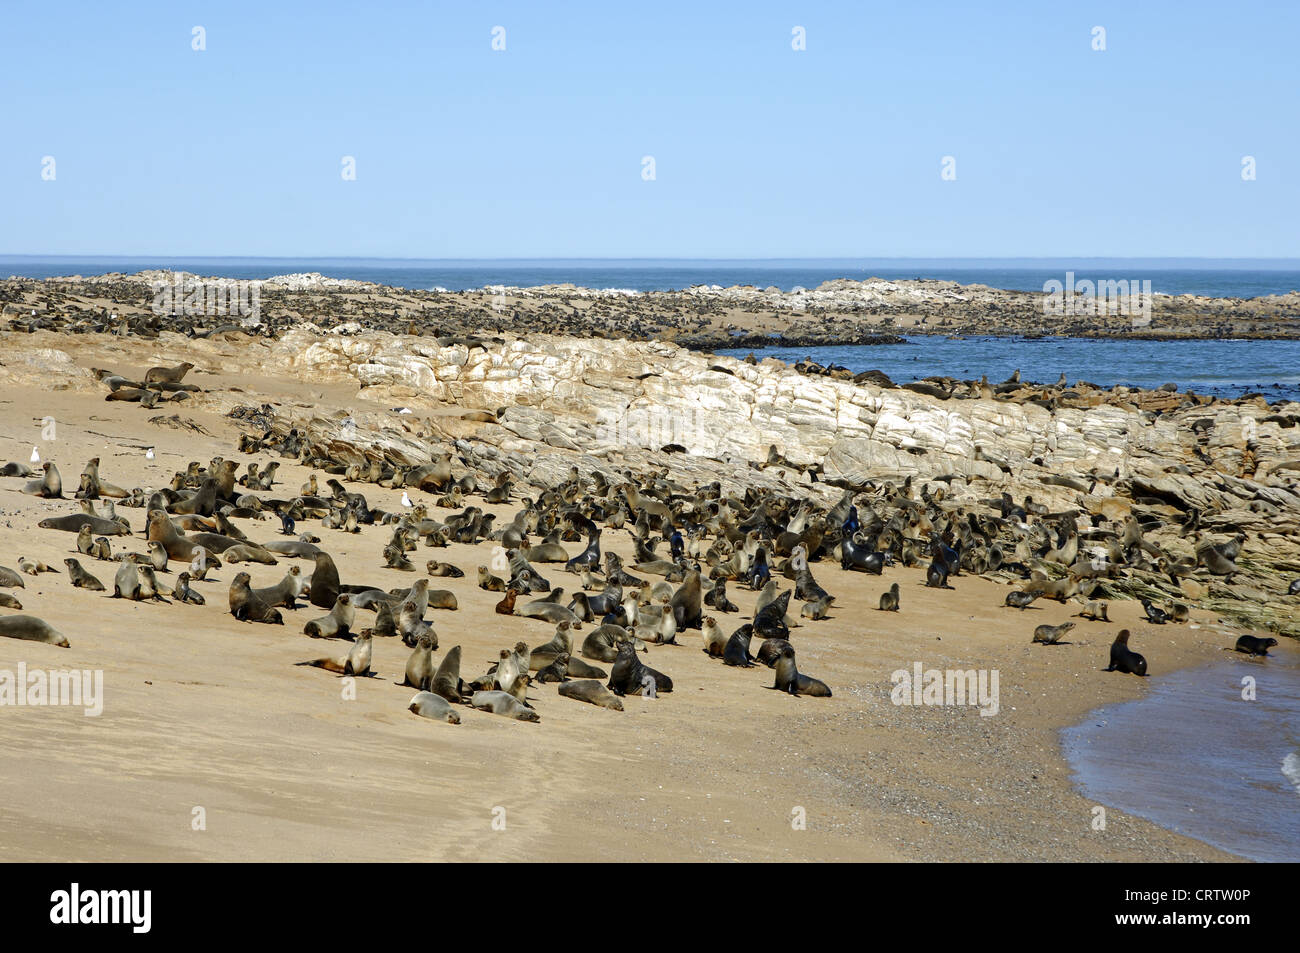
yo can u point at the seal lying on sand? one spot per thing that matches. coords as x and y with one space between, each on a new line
591 692
503 703
429 705
31 629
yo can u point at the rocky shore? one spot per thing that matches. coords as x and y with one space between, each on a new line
1191 469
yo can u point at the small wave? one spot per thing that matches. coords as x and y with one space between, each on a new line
1291 768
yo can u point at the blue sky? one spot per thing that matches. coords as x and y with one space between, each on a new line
760 150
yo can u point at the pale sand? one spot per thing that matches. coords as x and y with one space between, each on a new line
202 710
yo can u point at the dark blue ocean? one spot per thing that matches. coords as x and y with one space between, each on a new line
1227 278
1222 368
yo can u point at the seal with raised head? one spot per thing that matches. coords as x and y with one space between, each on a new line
446 680
715 641
1052 634
324 582
1124 659
246 606
337 624
356 662
419 667
183 592
736 651
629 673
80 578
889 600
790 680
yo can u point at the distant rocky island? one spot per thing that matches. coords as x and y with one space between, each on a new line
705 318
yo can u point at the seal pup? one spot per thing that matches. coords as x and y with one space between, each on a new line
557 671
435 568
1252 645
1155 615
33 567
31 629
1095 611
9 602
356 662
715 641
1016 599
80 578
503 703
1051 634
1123 659
429 705
790 680
182 592
126 584
591 692
337 624
889 600
489 582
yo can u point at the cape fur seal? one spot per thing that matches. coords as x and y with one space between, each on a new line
429 705
591 692
167 375
75 521
1123 659
80 578
789 679
1252 645
419 667
356 662
31 629
324 582
1052 634
337 624
629 673
736 651
246 606
889 600
503 703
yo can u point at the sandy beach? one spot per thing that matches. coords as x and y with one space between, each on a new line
205 712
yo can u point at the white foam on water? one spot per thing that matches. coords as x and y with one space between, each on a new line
1291 768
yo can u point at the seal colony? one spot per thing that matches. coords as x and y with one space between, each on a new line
616 563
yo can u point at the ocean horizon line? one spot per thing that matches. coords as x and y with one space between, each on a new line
1062 260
